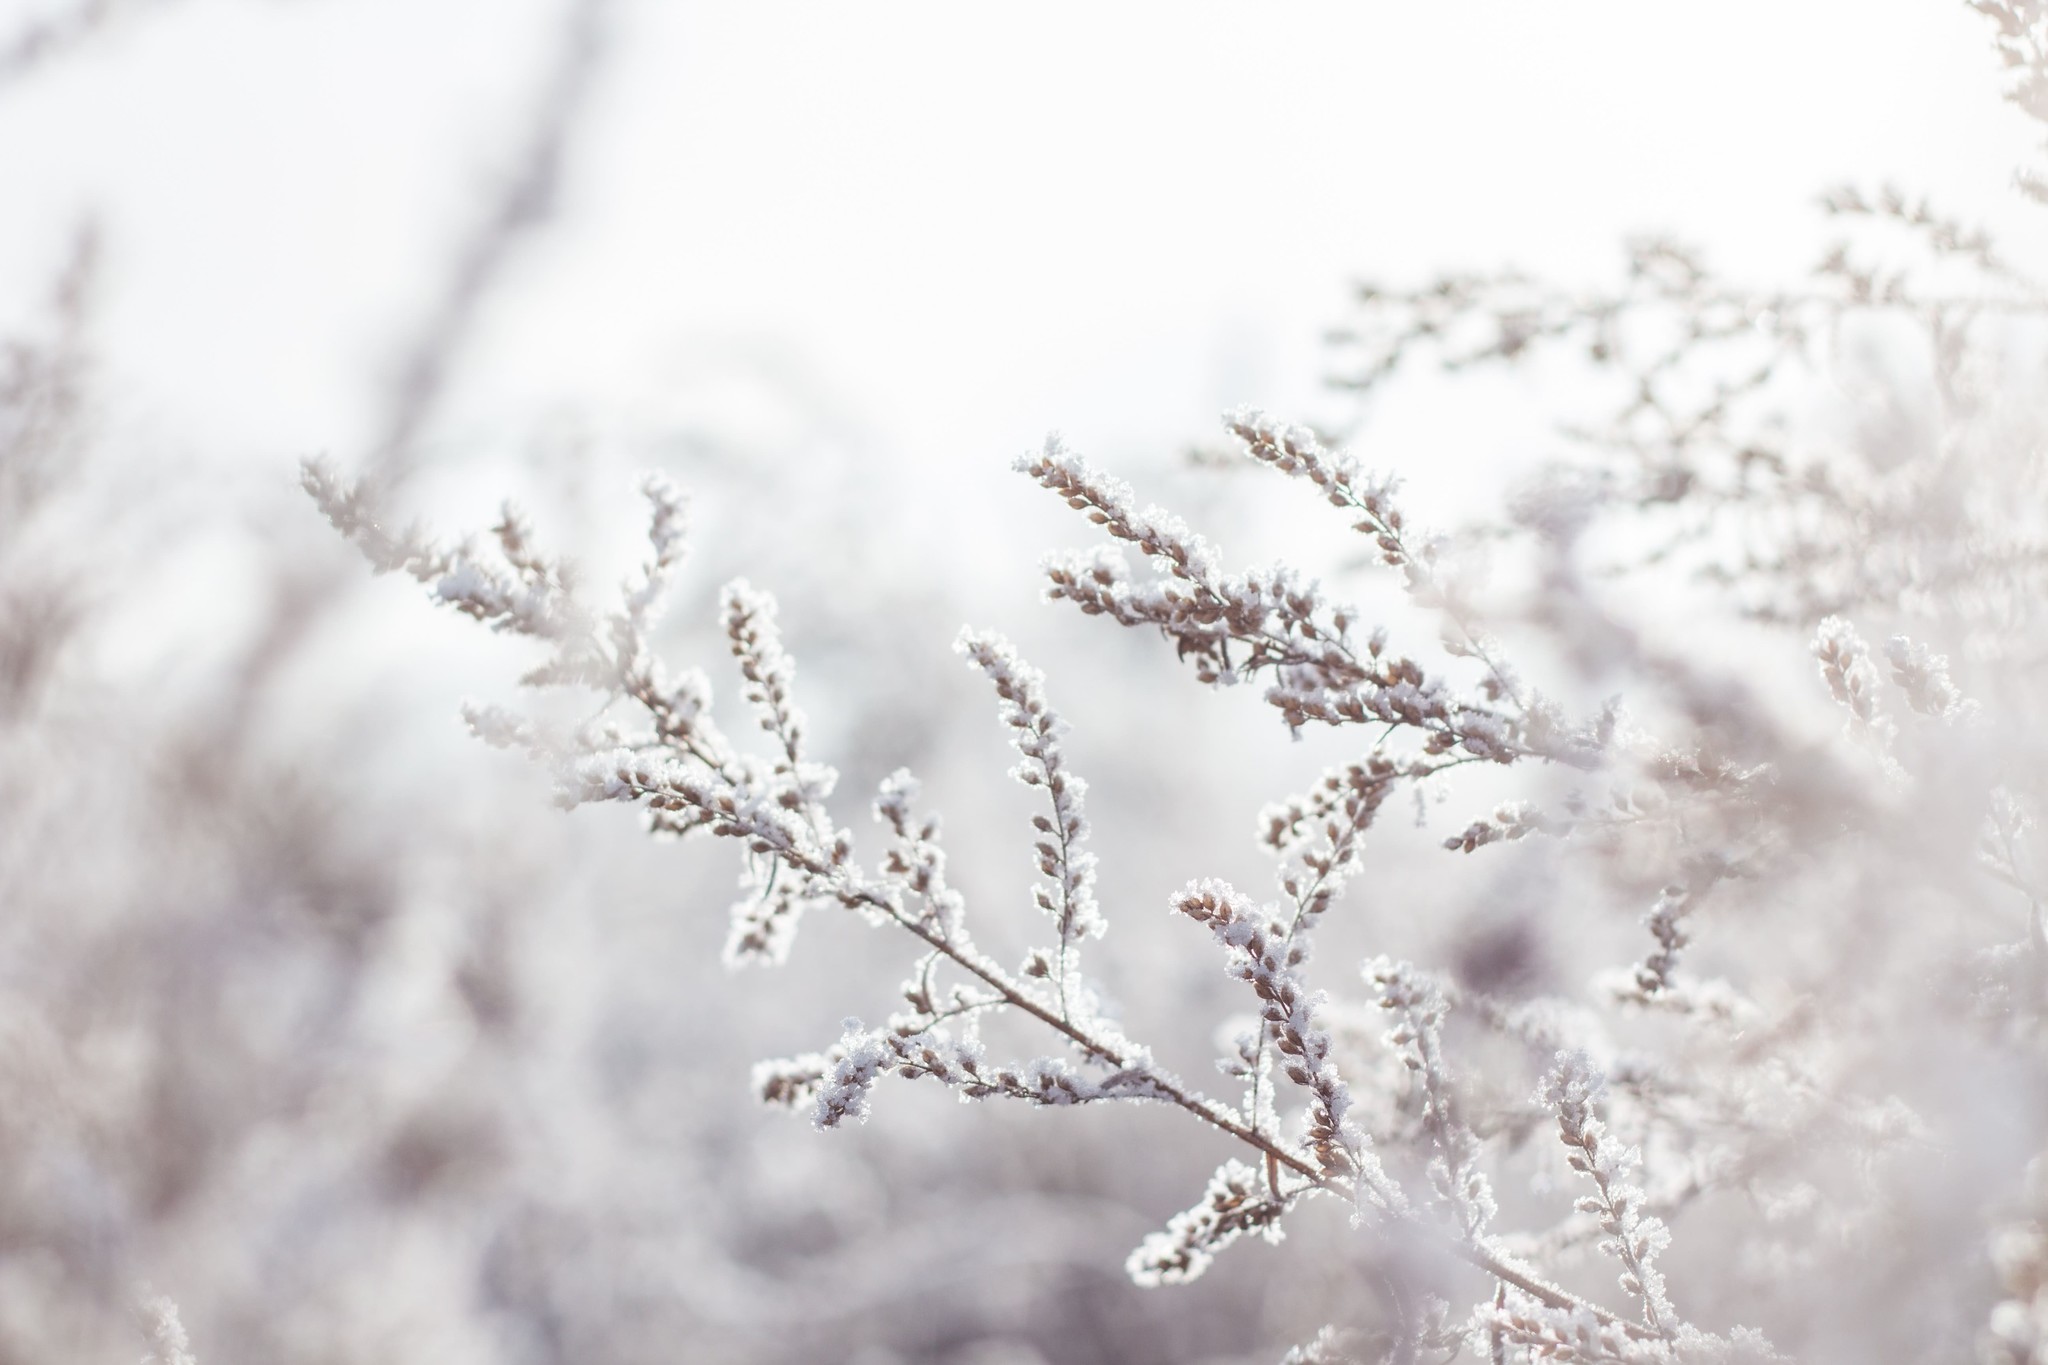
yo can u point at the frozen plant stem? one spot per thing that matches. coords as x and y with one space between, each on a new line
1634 1237
689 777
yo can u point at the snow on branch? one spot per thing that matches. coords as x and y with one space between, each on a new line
1069 898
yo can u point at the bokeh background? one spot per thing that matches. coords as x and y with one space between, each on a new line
313 1014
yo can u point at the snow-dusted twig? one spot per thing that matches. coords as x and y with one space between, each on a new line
1634 1237
690 778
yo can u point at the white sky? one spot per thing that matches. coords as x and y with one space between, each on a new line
958 225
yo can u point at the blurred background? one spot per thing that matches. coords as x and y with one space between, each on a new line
314 1015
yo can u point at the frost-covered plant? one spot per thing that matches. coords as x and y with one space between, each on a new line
690 777
1319 669
1823 1059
